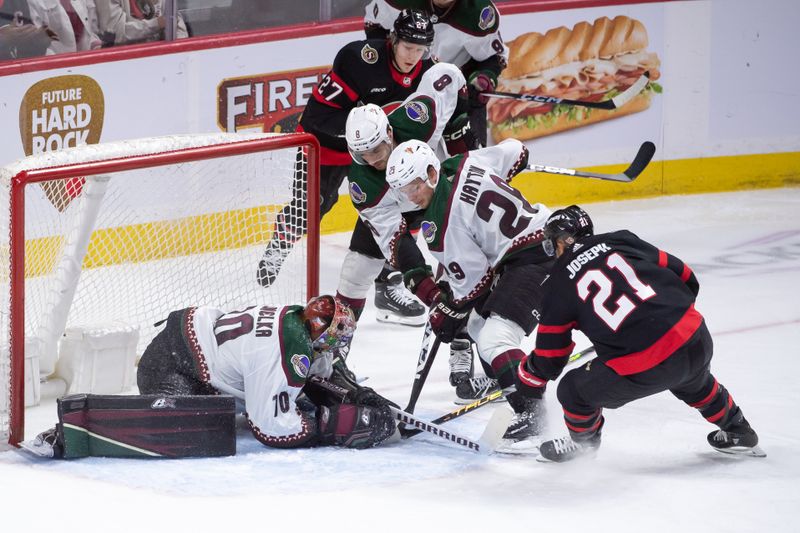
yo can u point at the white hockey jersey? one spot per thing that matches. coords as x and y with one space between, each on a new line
468 30
476 219
263 356
422 116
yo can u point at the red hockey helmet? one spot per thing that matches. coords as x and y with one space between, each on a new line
331 323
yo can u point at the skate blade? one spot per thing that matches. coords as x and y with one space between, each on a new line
589 454
529 446
755 451
413 321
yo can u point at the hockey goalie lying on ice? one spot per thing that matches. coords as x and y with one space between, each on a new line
207 361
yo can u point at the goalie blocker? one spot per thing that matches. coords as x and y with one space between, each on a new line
140 426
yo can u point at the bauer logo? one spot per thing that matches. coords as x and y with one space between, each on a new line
356 194
61 112
270 102
417 111
163 403
428 231
301 364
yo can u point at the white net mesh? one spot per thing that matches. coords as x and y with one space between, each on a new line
160 239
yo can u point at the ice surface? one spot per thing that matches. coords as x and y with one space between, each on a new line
655 472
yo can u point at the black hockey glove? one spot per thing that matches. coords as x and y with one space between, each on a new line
367 396
459 137
447 320
354 426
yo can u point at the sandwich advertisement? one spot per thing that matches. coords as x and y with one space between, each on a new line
588 55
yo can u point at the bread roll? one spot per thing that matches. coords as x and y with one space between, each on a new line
563 122
532 53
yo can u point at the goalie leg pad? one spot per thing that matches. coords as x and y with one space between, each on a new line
146 426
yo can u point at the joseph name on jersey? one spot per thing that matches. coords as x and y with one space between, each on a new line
469 29
422 116
261 355
476 219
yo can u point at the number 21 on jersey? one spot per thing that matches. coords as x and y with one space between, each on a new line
604 285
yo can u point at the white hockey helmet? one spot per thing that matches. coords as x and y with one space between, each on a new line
410 160
366 128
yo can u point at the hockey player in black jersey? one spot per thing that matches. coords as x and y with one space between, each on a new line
374 71
635 303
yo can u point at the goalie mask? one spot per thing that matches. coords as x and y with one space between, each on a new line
568 224
366 129
331 323
409 161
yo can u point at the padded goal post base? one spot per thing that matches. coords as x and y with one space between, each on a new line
146 426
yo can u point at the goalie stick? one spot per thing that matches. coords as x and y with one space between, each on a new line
480 402
640 162
614 103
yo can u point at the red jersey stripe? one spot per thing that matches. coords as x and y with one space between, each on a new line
560 328
555 353
662 258
673 339
686 274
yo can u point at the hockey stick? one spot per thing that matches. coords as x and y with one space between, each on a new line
639 163
424 362
614 103
487 442
480 402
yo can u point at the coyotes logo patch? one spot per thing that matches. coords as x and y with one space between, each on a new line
428 230
357 194
301 364
487 18
417 111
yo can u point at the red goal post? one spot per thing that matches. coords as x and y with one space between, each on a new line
126 232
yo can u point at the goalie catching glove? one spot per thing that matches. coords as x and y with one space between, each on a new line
354 426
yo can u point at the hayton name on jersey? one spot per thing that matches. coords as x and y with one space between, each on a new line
471 187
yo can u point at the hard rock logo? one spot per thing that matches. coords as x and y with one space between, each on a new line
61 112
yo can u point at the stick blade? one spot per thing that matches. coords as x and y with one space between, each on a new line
495 429
631 92
642 159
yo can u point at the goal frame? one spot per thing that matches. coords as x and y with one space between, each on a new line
24 178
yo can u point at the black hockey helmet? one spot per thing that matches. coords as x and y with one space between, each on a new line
414 26
568 224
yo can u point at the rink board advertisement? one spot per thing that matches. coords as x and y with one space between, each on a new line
709 111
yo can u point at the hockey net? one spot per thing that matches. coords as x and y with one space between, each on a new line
126 232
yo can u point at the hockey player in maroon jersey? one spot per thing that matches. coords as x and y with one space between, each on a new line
374 71
635 303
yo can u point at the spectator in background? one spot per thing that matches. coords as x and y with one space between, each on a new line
20 38
134 21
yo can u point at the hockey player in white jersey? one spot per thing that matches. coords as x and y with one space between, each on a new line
385 216
487 237
264 356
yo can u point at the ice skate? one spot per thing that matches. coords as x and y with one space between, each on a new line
395 305
565 449
741 440
523 434
270 264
